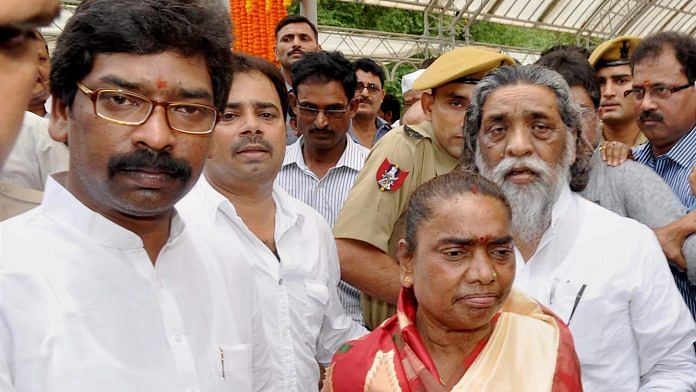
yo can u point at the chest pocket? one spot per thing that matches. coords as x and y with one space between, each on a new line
588 321
232 366
315 301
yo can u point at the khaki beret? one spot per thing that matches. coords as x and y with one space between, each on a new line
470 62
616 51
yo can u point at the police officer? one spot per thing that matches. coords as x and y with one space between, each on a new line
369 225
610 61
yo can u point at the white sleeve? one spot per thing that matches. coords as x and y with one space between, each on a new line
5 352
663 327
336 327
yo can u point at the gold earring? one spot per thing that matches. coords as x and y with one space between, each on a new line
408 281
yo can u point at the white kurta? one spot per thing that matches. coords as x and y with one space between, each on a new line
83 309
34 155
631 328
303 316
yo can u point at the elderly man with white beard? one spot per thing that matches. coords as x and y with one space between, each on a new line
604 275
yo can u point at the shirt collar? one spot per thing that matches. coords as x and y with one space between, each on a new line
215 201
61 205
381 126
683 152
351 157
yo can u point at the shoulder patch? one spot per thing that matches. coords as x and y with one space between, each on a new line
412 133
390 177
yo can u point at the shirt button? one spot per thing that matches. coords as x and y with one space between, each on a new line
177 338
280 282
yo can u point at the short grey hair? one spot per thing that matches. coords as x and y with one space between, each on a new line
532 75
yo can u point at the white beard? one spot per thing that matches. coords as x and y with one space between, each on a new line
531 203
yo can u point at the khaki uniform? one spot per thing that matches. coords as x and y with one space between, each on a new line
15 200
375 216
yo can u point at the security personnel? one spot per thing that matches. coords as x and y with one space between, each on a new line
369 226
610 61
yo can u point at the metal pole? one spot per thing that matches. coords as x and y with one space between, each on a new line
308 8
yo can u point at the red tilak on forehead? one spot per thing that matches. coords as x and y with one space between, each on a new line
483 239
161 83
474 189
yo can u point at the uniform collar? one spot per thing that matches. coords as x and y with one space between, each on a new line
63 207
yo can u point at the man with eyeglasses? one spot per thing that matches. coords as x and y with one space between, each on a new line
664 73
104 287
610 61
320 168
369 225
367 127
19 20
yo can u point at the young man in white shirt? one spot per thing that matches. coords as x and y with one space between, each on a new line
289 245
103 287
604 275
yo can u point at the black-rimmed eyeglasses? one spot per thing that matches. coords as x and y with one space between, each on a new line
128 108
658 91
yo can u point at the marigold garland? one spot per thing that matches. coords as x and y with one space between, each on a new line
254 24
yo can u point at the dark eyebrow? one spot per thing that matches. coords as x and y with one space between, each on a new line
617 76
457 96
537 115
138 87
497 117
473 241
257 105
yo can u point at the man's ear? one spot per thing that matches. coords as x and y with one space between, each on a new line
353 107
427 100
59 122
292 99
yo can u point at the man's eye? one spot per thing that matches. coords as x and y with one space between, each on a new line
457 104
118 100
228 116
268 115
188 110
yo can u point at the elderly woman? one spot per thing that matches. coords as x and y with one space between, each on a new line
459 326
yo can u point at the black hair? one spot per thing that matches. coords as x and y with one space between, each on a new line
292 19
368 65
575 69
324 67
567 48
142 27
426 63
684 47
392 105
246 64
441 188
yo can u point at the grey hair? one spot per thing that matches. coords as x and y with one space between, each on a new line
532 75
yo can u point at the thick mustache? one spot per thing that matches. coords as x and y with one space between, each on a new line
150 159
252 139
650 116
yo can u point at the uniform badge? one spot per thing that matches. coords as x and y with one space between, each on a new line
390 177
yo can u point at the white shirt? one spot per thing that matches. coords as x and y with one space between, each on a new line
83 308
34 155
326 195
303 317
631 328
